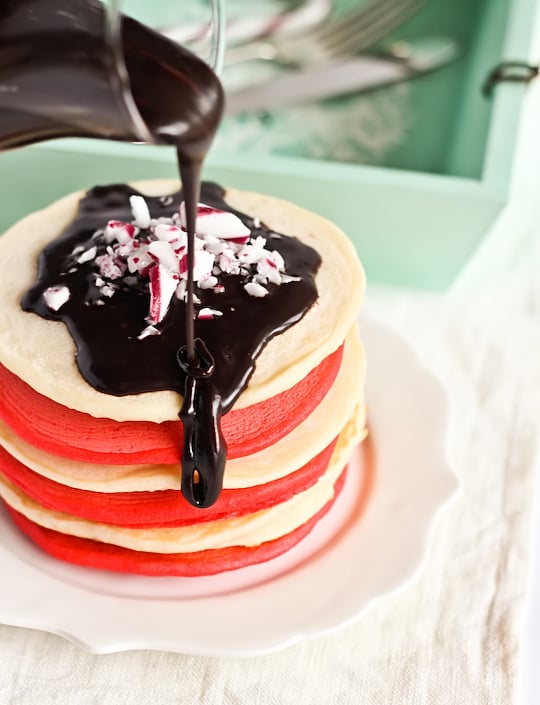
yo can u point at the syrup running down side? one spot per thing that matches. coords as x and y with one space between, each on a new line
120 354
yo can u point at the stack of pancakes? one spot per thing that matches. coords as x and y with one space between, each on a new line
94 479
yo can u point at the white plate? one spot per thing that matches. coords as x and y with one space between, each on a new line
369 544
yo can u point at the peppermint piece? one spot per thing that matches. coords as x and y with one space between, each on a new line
164 254
162 287
207 313
87 255
117 230
211 221
141 214
254 289
170 233
109 267
148 331
56 296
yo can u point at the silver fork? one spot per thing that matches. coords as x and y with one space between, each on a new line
348 35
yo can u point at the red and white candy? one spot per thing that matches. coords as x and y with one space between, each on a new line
162 288
215 223
156 249
56 296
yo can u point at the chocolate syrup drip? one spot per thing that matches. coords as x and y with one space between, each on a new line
113 360
205 451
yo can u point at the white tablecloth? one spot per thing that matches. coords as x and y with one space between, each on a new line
453 635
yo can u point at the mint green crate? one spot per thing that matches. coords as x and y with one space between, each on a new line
416 219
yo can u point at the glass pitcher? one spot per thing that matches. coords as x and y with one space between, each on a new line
79 68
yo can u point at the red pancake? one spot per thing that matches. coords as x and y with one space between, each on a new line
163 507
58 430
94 554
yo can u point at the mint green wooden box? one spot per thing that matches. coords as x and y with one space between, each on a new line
415 221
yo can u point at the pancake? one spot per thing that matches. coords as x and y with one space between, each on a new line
94 478
51 370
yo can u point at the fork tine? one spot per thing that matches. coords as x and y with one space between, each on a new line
358 18
356 39
358 30
362 16
355 31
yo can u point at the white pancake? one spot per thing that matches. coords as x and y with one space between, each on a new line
42 352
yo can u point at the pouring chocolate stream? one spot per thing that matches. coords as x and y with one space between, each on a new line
58 71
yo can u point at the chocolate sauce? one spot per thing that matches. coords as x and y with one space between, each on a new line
112 358
204 453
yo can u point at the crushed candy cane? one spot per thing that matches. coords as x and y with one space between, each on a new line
141 214
56 296
156 251
206 313
254 289
148 331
